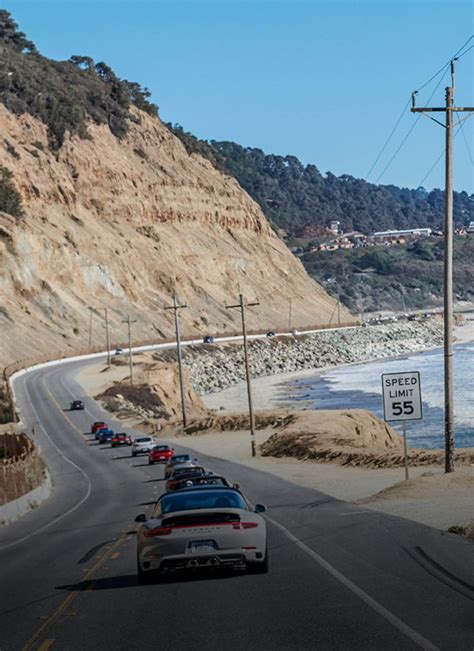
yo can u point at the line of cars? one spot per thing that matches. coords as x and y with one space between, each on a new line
201 521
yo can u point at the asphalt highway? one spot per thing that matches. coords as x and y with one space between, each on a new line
341 577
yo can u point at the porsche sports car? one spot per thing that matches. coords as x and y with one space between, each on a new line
205 527
160 454
121 438
184 472
202 480
99 424
181 460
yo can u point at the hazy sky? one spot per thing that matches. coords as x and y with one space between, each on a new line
325 81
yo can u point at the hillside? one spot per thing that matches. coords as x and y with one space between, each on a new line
398 278
294 196
103 207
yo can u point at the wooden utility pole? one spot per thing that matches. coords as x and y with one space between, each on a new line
129 322
241 306
176 309
107 339
90 326
448 109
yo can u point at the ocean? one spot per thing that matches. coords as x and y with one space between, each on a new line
360 386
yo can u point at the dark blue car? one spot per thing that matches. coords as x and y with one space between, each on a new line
106 435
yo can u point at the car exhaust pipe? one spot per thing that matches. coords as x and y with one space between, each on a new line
193 563
213 561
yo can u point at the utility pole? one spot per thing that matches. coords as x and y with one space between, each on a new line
90 326
129 322
107 340
448 109
289 316
176 309
241 305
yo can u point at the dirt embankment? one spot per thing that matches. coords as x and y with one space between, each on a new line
21 467
154 396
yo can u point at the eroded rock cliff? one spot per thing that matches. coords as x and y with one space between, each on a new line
122 224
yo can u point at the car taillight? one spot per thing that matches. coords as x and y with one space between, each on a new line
244 525
157 531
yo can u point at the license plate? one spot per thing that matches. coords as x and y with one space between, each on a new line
202 547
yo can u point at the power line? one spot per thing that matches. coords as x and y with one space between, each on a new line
457 55
409 132
460 122
461 127
388 139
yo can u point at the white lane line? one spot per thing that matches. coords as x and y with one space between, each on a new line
413 635
353 513
74 465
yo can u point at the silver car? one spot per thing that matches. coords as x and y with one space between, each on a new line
206 527
142 445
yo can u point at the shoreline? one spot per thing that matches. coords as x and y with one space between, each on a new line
267 390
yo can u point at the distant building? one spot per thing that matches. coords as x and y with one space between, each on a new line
383 235
470 228
335 227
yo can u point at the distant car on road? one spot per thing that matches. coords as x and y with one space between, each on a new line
295 332
118 351
208 339
160 454
106 435
142 445
271 333
76 405
99 424
121 438
206 527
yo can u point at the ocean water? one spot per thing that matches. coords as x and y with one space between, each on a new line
360 386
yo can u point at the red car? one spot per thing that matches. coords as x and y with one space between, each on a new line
121 438
160 454
99 424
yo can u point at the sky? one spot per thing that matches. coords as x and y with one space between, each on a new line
325 81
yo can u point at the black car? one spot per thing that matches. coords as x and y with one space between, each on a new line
208 339
271 333
76 404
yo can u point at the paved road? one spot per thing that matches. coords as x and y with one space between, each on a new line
340 578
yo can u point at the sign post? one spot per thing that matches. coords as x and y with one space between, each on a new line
402 401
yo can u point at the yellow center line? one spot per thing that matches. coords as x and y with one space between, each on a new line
114 556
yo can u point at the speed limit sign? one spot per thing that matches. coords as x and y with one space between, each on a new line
402 396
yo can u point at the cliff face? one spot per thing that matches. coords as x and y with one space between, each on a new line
122 224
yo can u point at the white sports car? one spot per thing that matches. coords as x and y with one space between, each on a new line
209 526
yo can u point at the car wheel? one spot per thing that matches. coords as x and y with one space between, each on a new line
260 567
150 462
134 454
